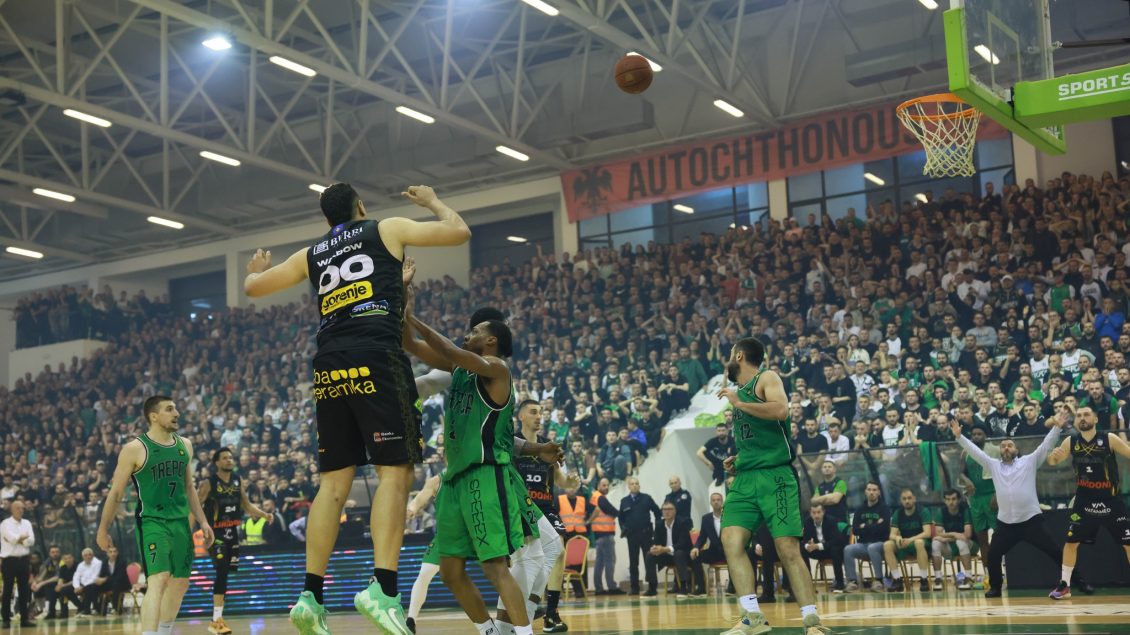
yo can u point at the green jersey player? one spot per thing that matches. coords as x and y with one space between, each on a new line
765 488
479 510
159 462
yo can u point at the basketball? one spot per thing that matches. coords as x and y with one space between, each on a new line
633 74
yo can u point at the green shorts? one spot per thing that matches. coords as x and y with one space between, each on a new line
165 546
479 515
531 513
981 508
908 552
771 496
431 555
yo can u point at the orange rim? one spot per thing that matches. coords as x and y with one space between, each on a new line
940 98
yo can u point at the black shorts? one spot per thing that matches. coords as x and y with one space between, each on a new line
223 552
555 520
1088 514
367 408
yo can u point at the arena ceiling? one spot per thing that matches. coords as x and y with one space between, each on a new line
489 72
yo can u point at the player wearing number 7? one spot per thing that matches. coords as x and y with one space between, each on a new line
159 462
363 387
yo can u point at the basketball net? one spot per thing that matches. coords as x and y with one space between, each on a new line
947 128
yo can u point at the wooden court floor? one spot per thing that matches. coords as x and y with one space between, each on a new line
936 613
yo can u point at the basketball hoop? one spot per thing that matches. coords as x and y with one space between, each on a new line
947 128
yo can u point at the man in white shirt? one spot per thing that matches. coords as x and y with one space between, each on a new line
87 583
16 540
1019 517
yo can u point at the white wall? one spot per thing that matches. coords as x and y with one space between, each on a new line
1090 150
32 360
7 343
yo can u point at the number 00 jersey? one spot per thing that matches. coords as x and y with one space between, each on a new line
538 476
359 287
160 482
1096 467
223 507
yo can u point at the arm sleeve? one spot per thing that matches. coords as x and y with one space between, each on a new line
6 532
976 453
30 535
432 383
1049 442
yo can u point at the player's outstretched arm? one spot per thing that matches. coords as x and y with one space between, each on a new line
194 507
130 459
489 367
447 230
263 279
249 508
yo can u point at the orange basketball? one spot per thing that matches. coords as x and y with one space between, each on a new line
633 74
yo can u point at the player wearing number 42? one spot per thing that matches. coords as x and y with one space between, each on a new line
362 382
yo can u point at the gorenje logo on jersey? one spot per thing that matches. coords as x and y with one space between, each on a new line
346 295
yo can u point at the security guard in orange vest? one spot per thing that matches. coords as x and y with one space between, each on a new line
602 516
573 514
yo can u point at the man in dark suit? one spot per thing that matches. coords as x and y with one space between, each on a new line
708 547
671 546
822 540
636 512
117 580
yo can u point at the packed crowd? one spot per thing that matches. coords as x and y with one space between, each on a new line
998 310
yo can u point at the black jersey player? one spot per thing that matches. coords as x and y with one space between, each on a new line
224 502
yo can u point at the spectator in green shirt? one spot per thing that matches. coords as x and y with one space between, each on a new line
912 527
692 369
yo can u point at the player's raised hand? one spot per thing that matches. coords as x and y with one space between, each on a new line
408 270
729 393
955 428
1060 419
260 262
421 195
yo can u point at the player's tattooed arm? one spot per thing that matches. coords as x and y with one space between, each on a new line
130 459
488 367
194 506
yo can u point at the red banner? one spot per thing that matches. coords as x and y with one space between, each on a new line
818 143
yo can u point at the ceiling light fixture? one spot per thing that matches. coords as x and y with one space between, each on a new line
415 114
929 4
655 68
874 179
512 153
27 253
157 220
59 196
318 188
217 43
544 7
82 116
219 158
292 66
686 209
516 239
728 108
989 56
